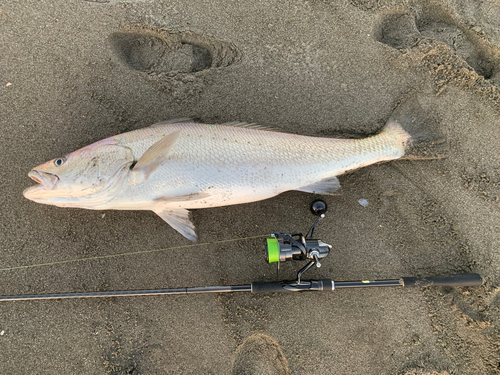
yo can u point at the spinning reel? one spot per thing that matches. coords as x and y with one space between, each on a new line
283 246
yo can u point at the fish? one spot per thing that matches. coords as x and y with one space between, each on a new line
178 165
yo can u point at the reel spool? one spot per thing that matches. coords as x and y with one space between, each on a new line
284 246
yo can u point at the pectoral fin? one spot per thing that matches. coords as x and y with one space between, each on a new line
180 221
156 155
327 186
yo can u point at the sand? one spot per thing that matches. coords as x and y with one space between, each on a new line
74 72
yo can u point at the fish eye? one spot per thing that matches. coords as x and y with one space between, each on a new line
59 162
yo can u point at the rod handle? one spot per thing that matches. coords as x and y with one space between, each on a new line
466 279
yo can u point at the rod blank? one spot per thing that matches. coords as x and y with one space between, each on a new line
469 279
131 293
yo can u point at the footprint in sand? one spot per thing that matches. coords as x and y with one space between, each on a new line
260 354
175 61
460 43
403 30
151 54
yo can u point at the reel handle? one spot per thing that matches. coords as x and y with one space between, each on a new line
466 279
318 207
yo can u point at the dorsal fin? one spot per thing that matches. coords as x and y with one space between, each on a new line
173 121
247 125
238 124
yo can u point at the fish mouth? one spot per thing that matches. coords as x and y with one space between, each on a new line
45 180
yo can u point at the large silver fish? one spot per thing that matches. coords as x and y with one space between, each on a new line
178 165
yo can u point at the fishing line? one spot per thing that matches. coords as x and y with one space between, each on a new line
281 247
130 253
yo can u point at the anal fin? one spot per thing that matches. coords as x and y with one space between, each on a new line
180 221
328 186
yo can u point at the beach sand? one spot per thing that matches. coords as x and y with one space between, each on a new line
75 72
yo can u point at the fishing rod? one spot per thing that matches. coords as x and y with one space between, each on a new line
282 247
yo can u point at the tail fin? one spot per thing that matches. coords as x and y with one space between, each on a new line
426 140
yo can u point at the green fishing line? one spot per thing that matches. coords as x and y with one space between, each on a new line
129 253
